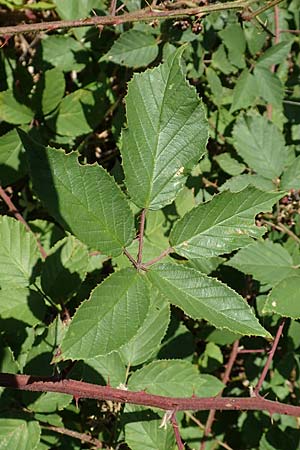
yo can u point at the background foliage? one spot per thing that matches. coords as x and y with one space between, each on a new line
63 97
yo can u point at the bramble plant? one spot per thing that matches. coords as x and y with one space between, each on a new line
138 257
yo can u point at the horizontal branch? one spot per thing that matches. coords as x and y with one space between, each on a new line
146 15
80 389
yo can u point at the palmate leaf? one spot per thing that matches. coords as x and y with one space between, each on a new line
202 297
83 199
167 132
110 318
223 224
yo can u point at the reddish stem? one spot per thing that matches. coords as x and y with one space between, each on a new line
225 379
81 389
158 258
21 219
141 237
270 358
74 434
176 432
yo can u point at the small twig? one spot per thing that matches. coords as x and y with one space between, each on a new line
201 426
83 437
176 431
158 258
112 8
276 41
290 31
225 379
282 228
270 358
262 9
131 258
20 218
141 237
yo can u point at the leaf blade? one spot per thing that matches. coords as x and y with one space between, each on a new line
165 134
202 297
221 225
95 210
111 317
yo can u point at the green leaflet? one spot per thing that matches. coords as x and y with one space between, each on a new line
268 86
18 253
167 132
12 158
284 298
12 111
221 225
240 182
53 91
19 433
110 318
244 92
83 199
141 434
25 304
133 48
229 165
174 378
261 145
64 269
266 261
202 297
151 333
274 55
291 176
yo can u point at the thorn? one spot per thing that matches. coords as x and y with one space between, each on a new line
108 381
76 399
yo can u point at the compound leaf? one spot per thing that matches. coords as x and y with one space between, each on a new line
223 224
166 133
202 297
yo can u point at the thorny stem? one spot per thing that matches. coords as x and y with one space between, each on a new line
21 219
176 431
146 15
83 437
270 358
81 389
141 237
225 379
